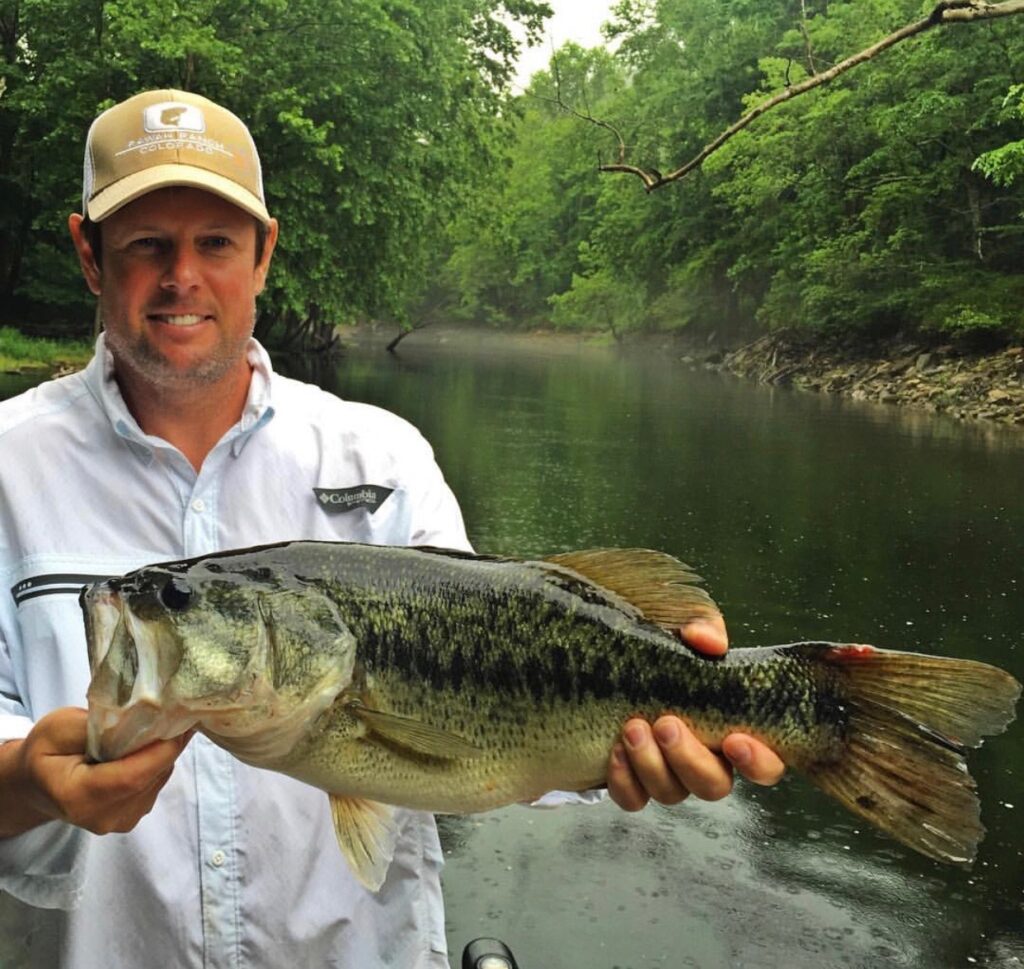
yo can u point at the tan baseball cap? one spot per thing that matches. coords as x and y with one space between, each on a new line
162 138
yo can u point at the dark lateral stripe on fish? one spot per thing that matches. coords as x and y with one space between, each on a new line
577 664
56 583
435 654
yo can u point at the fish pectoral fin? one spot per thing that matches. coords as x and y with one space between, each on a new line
415 734
660 586
367 835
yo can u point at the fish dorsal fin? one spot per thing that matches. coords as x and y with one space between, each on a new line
660 586
367 834
414 734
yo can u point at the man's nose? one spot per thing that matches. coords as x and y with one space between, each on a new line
182 268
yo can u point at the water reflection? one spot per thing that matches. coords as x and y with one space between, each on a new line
16 383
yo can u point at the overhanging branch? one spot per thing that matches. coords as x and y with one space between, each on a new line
945 12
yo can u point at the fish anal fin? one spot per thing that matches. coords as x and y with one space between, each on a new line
367 835
414 735
662 588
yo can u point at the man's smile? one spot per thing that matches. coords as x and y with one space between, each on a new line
178 319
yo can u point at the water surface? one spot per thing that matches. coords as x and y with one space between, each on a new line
809 517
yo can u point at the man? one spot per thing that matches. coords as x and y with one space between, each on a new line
178 440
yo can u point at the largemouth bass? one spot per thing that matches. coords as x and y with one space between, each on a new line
451 682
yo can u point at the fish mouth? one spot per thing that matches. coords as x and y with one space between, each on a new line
128 708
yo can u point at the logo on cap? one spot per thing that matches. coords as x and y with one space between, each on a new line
173 116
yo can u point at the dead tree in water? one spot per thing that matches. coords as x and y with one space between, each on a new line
404 332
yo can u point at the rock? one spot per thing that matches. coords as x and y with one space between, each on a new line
903 364
938 379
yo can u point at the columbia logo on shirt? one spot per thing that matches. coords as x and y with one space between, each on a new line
336 500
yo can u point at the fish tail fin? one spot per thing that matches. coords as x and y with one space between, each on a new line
910 721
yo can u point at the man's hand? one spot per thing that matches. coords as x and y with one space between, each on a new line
46 777
668 763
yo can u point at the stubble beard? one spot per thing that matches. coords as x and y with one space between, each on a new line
138 355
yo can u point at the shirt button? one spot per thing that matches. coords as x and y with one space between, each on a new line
217 858
199 505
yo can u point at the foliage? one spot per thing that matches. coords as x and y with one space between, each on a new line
18 351
1005 164
888 200
412 186
519 242
374 118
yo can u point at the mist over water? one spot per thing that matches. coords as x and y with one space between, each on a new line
809 518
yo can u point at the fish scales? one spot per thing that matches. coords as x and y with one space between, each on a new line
520 629
447 681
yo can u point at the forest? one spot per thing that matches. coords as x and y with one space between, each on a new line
415 184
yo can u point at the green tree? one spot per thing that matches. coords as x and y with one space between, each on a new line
375 118
862 207
520 242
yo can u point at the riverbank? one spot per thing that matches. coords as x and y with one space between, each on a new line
20 354
961 383
946 379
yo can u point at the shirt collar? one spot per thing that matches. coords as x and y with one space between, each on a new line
258 409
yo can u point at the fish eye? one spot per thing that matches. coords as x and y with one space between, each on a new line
176 595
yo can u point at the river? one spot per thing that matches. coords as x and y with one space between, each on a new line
810 518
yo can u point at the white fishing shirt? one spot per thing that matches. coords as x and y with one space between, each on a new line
235 868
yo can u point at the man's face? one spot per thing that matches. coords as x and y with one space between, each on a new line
178 287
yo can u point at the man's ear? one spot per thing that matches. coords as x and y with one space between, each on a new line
268 250
86 257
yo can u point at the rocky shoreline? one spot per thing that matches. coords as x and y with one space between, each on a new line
942 379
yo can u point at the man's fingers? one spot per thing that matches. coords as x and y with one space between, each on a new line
707 636
62 731
57 782
698 769
135 772
646 758
753 759
623 787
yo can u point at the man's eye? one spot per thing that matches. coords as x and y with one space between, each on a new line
217 242
145 244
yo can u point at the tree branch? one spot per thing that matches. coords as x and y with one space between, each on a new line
812 68
559 103
945 12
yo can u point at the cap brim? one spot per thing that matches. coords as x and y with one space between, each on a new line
130 187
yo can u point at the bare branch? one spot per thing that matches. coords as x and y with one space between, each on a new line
811 67
945 12
559 103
